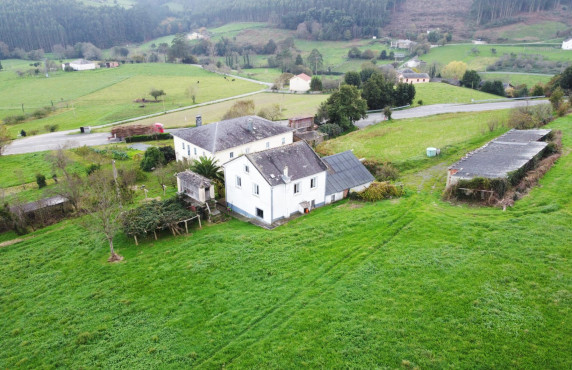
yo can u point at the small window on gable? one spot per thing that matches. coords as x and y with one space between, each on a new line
231 154
238 181
255 189
313 182
267 144
297 188
195 149
283 140
183 146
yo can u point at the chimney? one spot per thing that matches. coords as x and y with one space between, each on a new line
199 120
250 127
286 171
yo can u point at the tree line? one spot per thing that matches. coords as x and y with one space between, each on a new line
486 11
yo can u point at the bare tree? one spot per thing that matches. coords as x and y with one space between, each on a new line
103 203
71 186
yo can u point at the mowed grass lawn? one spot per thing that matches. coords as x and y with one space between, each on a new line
293 105
106 95
441 93
516 78
413 282
404 142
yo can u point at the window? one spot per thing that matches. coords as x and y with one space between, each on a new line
313 182
333 198
246 168
183 146
283 140
267 144
417 80
195 151
255 189
247 150
259 213
231 154
296 188
188 151
238 182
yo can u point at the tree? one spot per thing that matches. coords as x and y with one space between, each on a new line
239 109
207 167
180 47
493 87
103 204
471 79
191 92
367 54
152 158
556 98
345 106
4 138
387 113
454 70
1 68
383 55
377 92
156 93
316 84
315 60
354 53
352 78
299 61
403 94
270 47
71 185
566 79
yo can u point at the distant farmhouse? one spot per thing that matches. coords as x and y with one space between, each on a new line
403 44
80 65
410 76
567 45
278 183
300 83
498 158
228 139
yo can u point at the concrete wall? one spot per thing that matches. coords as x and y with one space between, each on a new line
299 85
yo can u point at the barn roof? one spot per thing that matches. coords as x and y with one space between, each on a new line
222 135
345 171
194 179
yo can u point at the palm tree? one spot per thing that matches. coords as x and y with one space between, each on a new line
207 167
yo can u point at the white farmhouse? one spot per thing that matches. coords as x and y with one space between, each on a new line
300 83
276 183
229 139
567 44
80 65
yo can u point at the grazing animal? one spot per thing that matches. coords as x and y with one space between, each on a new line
233 80
198 81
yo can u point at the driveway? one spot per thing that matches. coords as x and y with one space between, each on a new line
430 110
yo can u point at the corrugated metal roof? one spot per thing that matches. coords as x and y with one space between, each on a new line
345 172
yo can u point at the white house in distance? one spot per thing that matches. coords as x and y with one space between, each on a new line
228 139
412 77
300 83
567 44
80 65
277 183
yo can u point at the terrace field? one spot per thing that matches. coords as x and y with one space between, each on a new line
441 93
101 96
411 282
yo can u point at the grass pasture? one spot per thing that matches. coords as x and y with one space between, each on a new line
517 78
404 142
523 32
413 282
441 93
106 95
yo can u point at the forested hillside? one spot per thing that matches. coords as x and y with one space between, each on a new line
41 24
491 10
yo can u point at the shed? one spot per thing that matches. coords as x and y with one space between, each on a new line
345 174
195 186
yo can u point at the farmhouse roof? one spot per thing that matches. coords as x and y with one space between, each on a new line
194 179
304 77
300 159
81 61
415 75
503 155
345 171
40 204
230 133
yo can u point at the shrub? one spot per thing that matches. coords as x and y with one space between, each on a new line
119 155
140 138
523 118
153 157
41 180
382 171
556 98
420 102
379 191
331 129
168 154
563 109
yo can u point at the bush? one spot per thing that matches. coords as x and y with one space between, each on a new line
140 138
420 102
119 155
331 129
523 118
168 154
382 171
379 191
498 186
92 168
41 180
153 157
563 109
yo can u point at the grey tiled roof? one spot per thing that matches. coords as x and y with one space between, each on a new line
415 75
194 179
300 159
345 172
230 133
501 156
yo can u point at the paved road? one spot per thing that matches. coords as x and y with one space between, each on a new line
71 139
430 110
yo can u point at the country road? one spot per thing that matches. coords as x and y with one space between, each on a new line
71 139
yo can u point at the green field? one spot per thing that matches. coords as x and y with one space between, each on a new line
516 78
107 95
522 32
405 141
413 282
485 57
293 105
441 93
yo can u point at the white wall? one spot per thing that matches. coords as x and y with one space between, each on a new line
286 202
224 156
298 84
82 67
567 45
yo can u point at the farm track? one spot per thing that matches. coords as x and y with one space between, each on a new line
286 309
